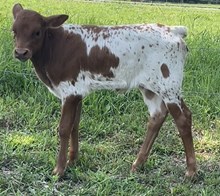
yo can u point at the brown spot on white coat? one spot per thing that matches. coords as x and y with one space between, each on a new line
165 70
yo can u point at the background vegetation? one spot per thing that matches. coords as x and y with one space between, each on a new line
180 1
112 126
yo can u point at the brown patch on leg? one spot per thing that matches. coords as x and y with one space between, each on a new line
147 93
154 125
66 125
74 141
183 120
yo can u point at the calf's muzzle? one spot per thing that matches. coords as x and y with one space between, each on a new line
22 54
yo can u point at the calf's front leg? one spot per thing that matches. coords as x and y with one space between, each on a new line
74 137
69 110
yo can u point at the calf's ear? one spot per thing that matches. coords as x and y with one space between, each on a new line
16 9
56 20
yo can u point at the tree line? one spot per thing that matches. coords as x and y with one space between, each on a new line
182 1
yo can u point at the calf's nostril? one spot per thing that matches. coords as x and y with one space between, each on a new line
25 52
16 52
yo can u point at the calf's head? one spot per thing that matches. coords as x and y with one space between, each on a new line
30 29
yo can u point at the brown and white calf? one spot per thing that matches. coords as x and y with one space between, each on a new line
74 60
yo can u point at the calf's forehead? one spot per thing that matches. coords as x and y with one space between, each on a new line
28 19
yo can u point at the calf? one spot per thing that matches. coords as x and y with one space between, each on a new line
73 60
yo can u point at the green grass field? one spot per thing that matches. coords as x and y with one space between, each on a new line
113 126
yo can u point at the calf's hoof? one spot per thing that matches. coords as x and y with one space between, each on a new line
58 171
191 171
190 174
134 167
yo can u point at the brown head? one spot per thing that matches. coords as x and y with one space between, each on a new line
30 29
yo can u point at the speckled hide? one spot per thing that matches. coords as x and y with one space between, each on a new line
74 60
150 56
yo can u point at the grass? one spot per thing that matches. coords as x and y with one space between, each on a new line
112 125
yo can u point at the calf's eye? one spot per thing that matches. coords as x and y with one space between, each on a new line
36 34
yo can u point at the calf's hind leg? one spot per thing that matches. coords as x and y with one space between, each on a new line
158 113
183 119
